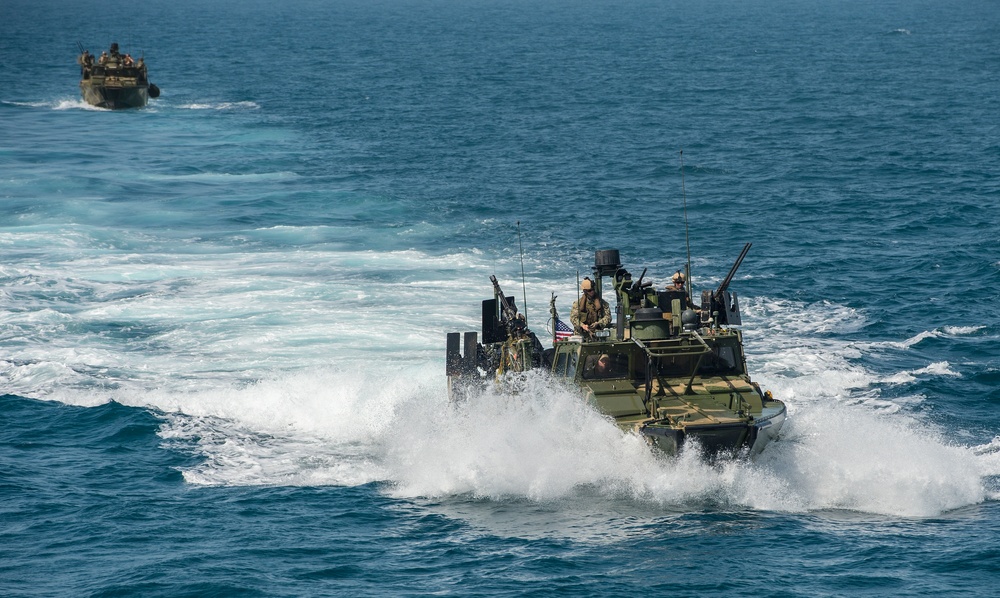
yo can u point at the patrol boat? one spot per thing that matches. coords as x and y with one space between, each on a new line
672 371
115 81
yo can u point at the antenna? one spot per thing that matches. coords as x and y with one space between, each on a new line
578 291
687 235
524 290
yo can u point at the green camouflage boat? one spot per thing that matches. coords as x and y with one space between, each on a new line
114 80
673 371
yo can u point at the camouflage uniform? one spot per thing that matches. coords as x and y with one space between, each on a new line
596 314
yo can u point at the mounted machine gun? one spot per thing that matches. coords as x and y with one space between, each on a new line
508 345
720 306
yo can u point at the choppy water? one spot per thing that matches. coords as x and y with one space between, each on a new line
222 317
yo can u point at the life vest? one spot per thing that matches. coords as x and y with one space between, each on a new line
590 311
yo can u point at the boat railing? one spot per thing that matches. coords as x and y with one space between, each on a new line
673 347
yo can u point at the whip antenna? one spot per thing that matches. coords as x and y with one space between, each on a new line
687 234
524 290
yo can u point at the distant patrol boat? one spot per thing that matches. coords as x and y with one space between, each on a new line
114 80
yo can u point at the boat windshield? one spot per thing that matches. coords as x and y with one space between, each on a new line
722 361
675 365
565 364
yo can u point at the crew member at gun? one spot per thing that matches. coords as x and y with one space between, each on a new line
678 282
590 313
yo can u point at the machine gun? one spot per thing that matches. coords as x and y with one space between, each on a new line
513 322
508 344
721 305
503 324
633 293
637 293
83 58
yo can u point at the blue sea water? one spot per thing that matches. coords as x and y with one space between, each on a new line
222 317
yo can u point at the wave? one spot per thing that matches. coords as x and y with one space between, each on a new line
393 426
949 331
962 330
76 105
941 368
244 105
61 104
320 368
222 177
798 351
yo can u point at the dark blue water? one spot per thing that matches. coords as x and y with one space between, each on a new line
222 316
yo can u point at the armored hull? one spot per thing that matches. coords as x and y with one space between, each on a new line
115 81
672 371
114 94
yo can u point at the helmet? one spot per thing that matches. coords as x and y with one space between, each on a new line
678 277
587 284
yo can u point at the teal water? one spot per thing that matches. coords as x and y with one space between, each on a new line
222 317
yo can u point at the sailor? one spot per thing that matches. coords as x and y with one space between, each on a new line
590 312
104 58
603 368
678 282
86 61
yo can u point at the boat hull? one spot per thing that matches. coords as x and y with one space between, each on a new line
720 438
114 97
767 425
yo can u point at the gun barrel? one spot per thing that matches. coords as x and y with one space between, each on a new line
732 271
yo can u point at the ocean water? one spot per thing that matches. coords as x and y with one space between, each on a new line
222 317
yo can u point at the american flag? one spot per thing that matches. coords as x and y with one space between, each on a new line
563 331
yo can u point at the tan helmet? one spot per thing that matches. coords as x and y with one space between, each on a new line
587 284
678 277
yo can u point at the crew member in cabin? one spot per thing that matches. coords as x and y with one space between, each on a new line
590 313
603 367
